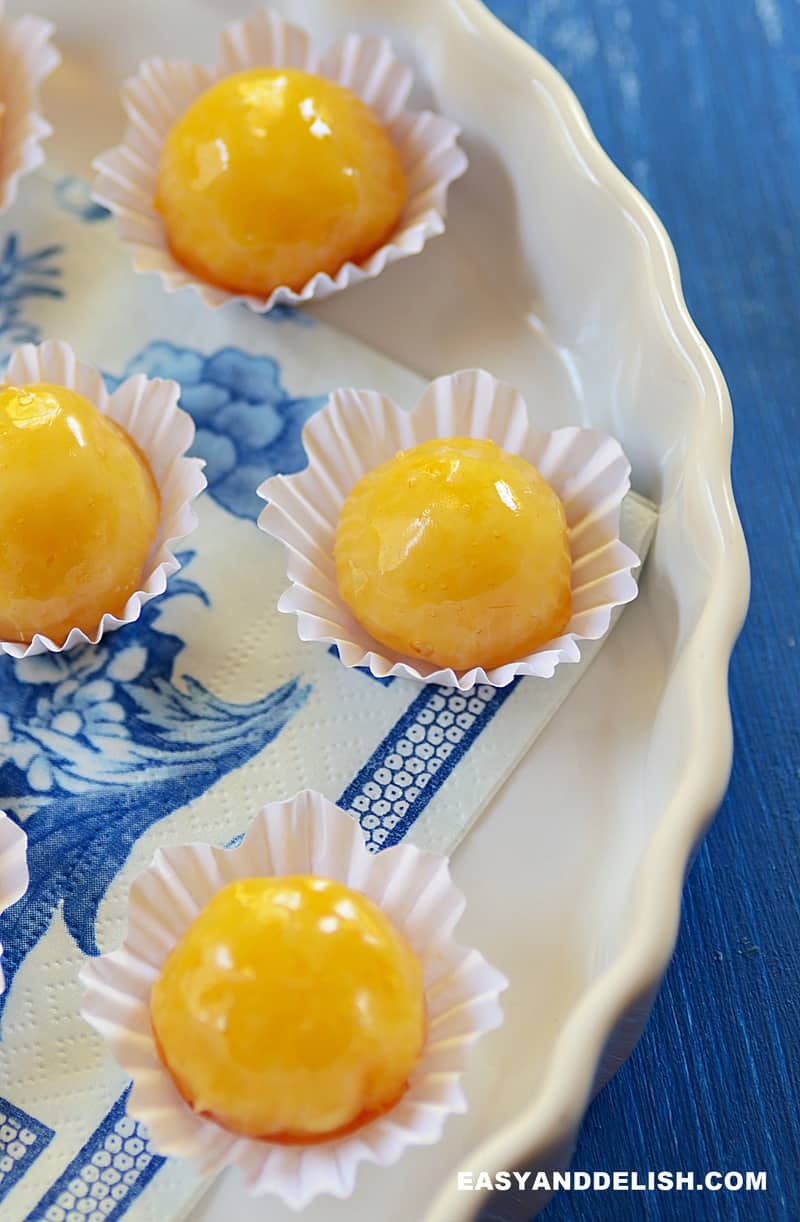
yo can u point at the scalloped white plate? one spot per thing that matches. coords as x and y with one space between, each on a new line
557 276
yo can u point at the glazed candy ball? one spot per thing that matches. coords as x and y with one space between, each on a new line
457 553
291 1009
79 512
273 175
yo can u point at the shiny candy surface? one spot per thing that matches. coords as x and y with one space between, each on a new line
457 553
290 1009
79 513
273 175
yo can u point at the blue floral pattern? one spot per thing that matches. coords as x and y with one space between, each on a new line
248 426
96 746
24 276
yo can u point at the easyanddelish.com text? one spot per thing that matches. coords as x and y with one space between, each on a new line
612 1181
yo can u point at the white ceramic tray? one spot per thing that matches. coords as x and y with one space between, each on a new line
556 275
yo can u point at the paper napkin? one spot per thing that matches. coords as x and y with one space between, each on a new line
181 726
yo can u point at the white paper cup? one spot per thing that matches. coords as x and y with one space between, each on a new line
147 410
358 430
26 57
163 89
13 869
305 835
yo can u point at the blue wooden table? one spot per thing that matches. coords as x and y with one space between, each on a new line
698 101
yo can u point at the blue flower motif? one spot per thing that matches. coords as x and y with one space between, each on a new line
248 426
79 710
96 746
22 277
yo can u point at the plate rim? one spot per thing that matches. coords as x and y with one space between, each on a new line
628 985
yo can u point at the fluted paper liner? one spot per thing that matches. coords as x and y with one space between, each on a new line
358 430
13 869
304 835
163 89
147 409
26 57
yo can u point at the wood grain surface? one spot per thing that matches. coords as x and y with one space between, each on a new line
698 102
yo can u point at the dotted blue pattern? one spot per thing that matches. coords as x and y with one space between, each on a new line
22 1140
106 1175
416 757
